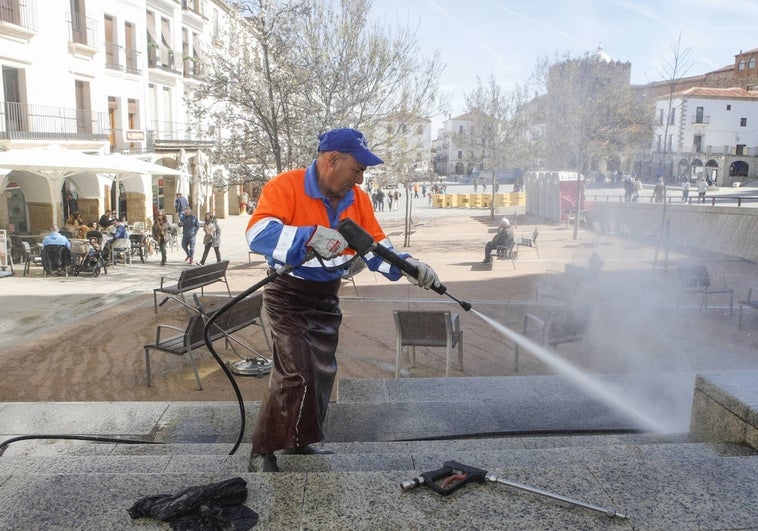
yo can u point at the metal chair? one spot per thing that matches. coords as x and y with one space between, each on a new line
565 325
427 328
31 256
173 238
56 259
137 246
121 246
508 252
529 242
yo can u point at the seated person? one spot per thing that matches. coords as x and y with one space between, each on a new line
505 237
54 261
106 220
55 238
72 224
120 231
95 246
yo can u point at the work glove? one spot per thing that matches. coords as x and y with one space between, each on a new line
327 242
426 275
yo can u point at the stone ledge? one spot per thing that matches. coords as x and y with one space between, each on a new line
725 408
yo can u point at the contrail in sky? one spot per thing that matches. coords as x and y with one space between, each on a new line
539 23
496 55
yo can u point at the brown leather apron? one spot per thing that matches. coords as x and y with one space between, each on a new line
304 319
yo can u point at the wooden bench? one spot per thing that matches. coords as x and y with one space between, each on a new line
191 279
187 340
695 278
750 302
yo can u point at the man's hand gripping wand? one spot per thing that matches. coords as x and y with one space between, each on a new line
362 242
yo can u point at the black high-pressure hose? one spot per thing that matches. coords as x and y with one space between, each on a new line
226 307
357 239
209 344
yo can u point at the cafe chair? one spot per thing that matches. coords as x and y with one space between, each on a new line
121 247
427 328
56 260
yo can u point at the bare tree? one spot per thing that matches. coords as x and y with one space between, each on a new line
307 66
672 70
496 137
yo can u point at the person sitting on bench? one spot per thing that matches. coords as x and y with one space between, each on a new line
505 237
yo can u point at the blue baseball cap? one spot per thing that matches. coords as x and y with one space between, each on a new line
351 141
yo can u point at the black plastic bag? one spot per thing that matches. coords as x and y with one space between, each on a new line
218 506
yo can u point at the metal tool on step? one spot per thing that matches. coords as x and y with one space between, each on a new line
361 242
453 476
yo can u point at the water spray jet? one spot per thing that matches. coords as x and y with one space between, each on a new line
578 377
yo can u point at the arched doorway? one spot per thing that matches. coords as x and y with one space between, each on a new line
682 170
18 216
696 169
712 171
739 169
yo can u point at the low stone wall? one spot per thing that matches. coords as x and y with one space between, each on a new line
731 231
725 408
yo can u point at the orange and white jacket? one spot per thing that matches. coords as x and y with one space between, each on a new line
288 211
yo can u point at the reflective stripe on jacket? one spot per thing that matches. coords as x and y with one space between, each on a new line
288 210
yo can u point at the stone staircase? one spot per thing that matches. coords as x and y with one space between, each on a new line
382 432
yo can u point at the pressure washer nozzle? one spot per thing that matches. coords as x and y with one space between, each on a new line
465 305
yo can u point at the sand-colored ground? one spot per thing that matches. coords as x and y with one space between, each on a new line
79 340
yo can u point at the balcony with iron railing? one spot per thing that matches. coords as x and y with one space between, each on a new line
18 18
166 133
119 58
161 57
704 120
193 6
192 67
82 34
41 122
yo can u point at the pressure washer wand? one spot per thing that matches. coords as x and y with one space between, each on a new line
362 242
453 476
609 512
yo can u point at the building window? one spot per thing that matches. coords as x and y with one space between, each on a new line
751 63
698 115
698 143
672 117
728 106
660 117
658 142
460 155
741 65
743 122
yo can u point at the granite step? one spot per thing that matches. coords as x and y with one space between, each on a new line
658 485
416 408
355 457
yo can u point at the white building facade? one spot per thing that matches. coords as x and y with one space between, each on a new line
103 76
450 159
708 131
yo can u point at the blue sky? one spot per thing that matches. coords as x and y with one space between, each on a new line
505 38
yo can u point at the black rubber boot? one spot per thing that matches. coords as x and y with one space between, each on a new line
306 450
263 463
